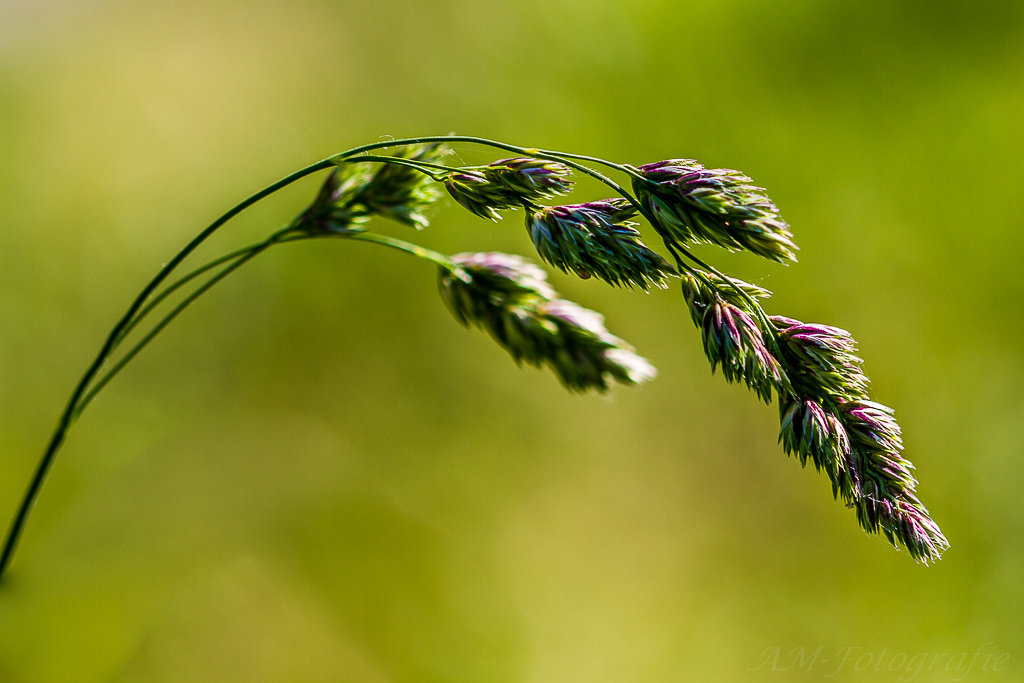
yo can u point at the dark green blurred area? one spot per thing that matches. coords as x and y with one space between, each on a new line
316 475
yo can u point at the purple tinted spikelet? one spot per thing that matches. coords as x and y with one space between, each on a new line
402 193
597 239
507 184
690 203
731 337
827 418
509 297
700 288
355 192
810 432
823 358
885 489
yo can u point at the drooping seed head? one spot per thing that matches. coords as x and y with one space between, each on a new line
355 192
691 203
821 359
332 211
489 283
507 184
587 355
810 431
733 340
884 485
700 289
402 193
509 298
597 239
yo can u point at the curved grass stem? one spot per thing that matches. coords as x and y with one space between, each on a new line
424 167
240 257
66 418
408 247
185 303
567 159
85 391
181 282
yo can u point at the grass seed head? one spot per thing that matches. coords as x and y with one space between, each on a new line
509 297
821 360
507 184
355 192
691 203
733 340
883 482
597 239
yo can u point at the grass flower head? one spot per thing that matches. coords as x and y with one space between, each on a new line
597 239
825 414
509 297
691 203
355 192
508 184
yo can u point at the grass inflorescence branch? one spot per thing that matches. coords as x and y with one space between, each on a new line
826 414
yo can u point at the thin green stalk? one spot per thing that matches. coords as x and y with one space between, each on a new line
424 167
185 303
177 284
431 138
67 416
241 257
408 247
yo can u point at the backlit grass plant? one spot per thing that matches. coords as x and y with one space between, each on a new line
811 370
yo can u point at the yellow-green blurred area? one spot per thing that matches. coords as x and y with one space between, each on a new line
315 474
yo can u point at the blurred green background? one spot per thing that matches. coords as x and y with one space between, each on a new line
317 475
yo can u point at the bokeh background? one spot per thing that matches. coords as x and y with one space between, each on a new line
317 475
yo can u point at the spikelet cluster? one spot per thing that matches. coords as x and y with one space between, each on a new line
826 418
700 287
809 431
690 203
597 239
824 358
507 184
355 192
510 298
824 413
732 338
